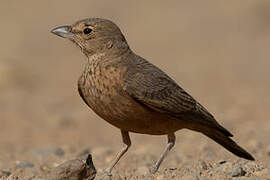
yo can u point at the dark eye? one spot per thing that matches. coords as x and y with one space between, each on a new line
87 31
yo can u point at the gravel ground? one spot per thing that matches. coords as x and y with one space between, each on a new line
217 50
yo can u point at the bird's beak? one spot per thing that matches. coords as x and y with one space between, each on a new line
63 31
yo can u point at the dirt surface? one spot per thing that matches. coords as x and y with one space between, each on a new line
217 50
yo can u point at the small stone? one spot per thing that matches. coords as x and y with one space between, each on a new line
24 164
222 162
224 167
238 171
45 168
4 173
203 165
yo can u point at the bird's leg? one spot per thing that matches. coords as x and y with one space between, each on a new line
127 144
171 142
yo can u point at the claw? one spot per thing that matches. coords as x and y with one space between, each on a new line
104 175
153 170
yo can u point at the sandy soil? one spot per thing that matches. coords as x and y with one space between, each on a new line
217 50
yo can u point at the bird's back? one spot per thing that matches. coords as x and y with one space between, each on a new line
153 88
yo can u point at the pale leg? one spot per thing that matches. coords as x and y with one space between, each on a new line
127 144
171 142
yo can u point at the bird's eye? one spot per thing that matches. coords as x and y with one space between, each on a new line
87 31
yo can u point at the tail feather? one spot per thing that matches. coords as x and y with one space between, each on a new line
227 143
205 123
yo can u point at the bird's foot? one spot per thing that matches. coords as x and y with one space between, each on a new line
153 169
106 175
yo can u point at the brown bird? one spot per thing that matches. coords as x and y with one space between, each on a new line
134 95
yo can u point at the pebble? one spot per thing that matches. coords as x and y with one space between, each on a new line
24 164
223 167
230 169
203 165
238 171
45 168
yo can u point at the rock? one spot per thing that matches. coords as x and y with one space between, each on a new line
4 173
234 170
238 171
24 164
44 168
79 168
223 167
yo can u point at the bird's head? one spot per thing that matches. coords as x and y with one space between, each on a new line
94 36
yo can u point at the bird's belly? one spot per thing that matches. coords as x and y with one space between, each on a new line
126 114
117 108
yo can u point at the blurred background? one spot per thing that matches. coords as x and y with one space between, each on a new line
216 50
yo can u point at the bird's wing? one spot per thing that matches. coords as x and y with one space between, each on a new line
160 94
150 86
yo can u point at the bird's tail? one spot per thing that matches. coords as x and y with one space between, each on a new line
225 141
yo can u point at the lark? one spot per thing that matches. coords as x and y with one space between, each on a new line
134 95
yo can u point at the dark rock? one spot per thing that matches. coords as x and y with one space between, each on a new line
222 162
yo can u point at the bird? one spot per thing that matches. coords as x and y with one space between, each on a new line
133 94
